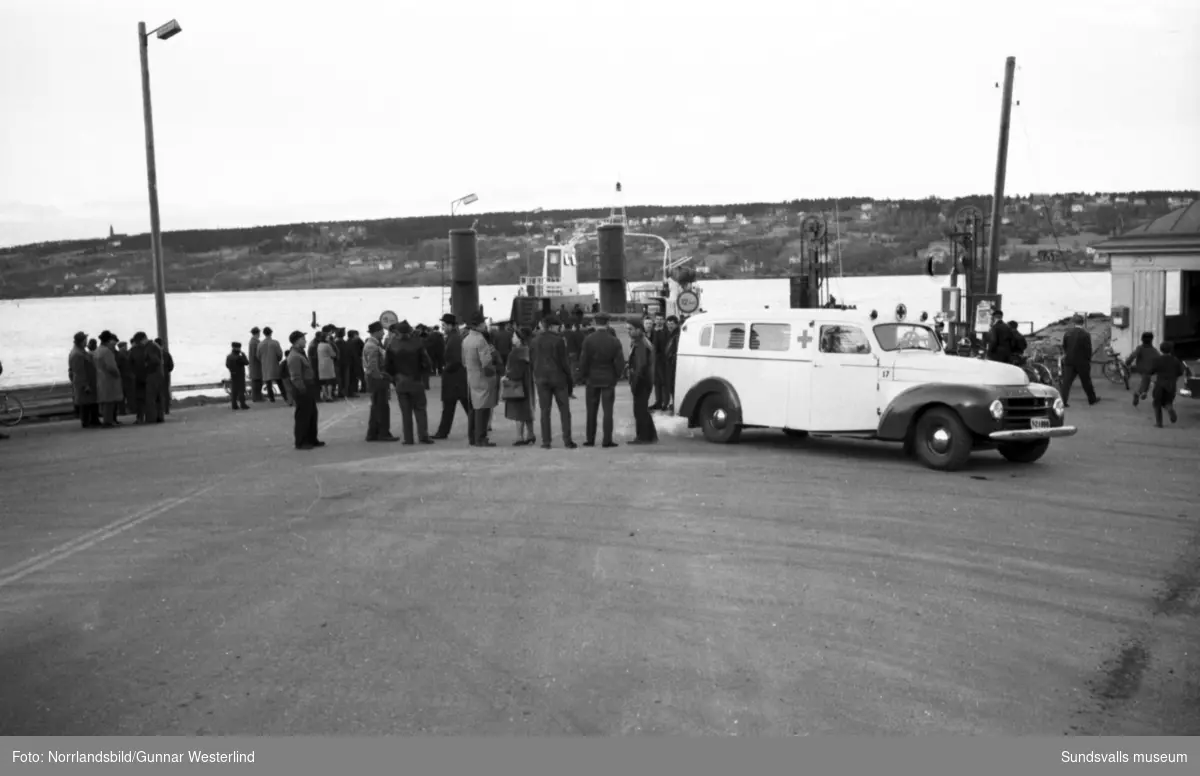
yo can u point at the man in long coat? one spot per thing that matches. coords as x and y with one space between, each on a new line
127 384
108 380
256 378
155 381
455 390
141 370
379 427
479 361
270 354
407 364
304 390
82 377
168 368
602 362
553 375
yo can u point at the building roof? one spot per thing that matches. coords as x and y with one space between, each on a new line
1176 232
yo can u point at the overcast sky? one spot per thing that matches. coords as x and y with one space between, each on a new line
276 112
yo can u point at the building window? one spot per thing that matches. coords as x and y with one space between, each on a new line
844 340
770 336
729 336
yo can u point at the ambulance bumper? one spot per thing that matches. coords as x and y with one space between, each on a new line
1026 434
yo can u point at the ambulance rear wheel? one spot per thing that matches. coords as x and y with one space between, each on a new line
941 441
1024 452
716 420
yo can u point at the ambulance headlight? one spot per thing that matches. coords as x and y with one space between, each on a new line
1060 408
997 409
901 312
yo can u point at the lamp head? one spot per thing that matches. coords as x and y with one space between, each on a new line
168 30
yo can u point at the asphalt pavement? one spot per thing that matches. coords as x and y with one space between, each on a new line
203 577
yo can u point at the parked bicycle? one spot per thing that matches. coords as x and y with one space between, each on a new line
1114 368
11 409
1044 368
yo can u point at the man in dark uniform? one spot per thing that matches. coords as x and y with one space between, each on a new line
373 364
304 389
454 381
642 366
601 362
236 362
407 364
1077 361
436 346
552 377
575 336
358 378
168 368
1000 340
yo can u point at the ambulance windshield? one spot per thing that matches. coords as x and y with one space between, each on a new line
906 336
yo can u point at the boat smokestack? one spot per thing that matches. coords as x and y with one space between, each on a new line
464 273
611 239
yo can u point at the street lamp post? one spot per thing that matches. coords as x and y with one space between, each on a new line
168 30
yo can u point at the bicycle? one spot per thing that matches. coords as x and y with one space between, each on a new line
1044 368
1114 368
11 409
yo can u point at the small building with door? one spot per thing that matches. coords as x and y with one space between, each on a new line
1156 282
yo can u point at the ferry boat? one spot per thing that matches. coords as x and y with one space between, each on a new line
556 288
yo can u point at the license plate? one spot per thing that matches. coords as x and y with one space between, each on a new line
1037 423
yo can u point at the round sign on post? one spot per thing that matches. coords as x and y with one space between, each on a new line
387 318
688 302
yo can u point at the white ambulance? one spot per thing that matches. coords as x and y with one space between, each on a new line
830 372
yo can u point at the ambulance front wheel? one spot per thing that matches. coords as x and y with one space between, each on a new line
941 441
716 420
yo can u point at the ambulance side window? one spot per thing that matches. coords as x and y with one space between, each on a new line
844 340
729 336
770 336
705 336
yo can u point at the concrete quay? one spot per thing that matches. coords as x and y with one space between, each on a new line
201 577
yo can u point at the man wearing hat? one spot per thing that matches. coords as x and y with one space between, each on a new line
256 375
601 362
479 363
553 377
379 427
270 356
1077 361
304 390
1000 339
643 366
454 381
407 363
236 362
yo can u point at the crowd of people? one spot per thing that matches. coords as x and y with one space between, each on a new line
1159 370
481 365
111 379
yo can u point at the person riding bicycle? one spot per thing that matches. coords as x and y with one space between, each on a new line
1141 362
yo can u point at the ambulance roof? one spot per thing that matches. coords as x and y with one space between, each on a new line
765 315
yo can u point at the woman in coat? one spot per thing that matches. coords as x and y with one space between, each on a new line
270 356
326 366
83 384
108 380
519 371
481 379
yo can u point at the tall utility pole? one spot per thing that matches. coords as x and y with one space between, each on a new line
993 251
160 290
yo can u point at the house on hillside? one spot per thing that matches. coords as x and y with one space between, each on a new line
431 265
699 220
411 265
717 220
1121 200
1077 208
1177 202
1139 201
